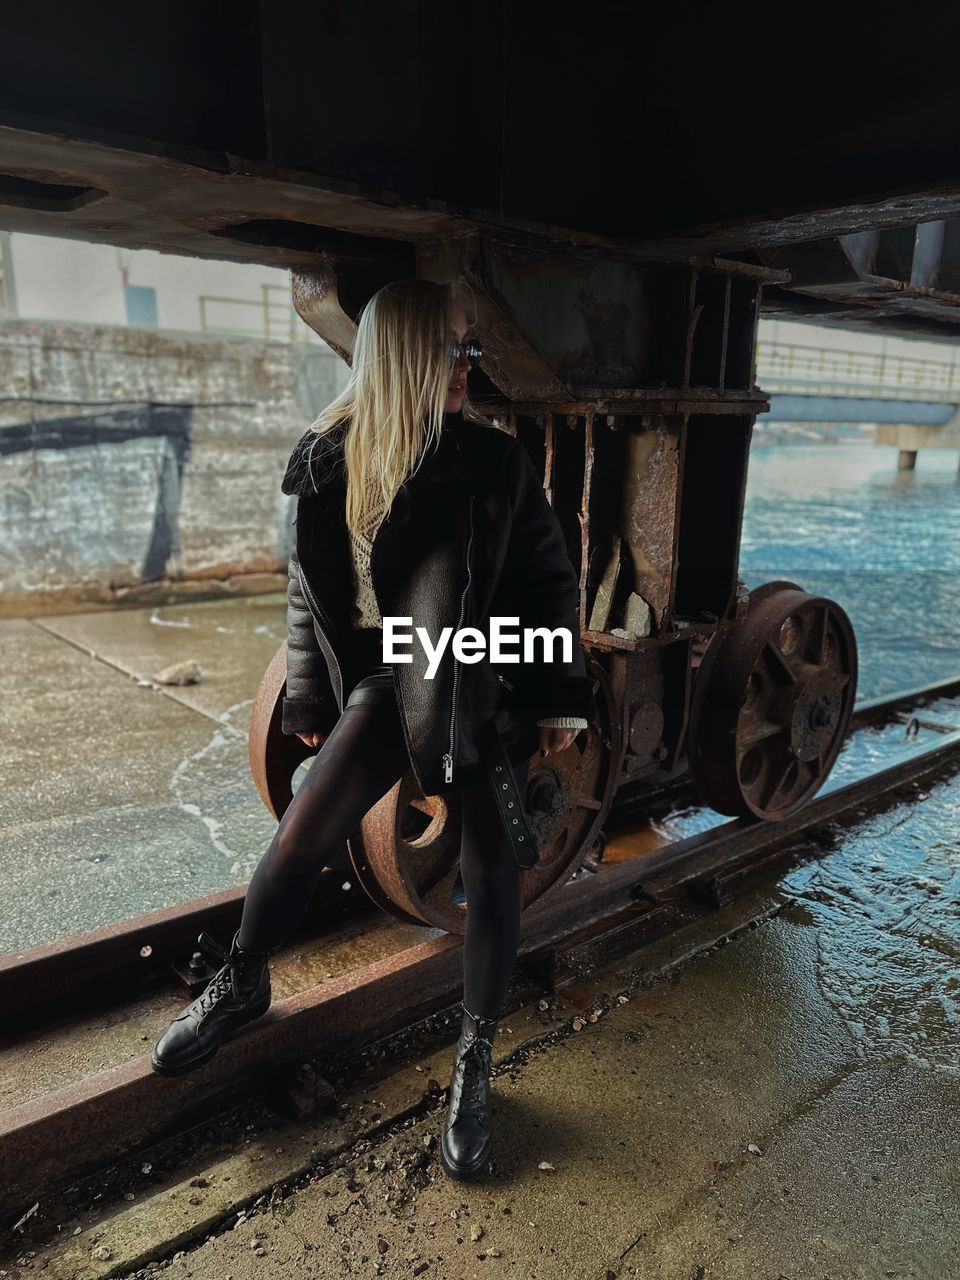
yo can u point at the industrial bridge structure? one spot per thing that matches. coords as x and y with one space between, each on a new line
913 401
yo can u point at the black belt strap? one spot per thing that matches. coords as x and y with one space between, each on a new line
378 687
509 801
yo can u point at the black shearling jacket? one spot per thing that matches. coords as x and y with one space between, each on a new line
469 535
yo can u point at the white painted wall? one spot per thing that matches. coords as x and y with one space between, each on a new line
66 280
73 281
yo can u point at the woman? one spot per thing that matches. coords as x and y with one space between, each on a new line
410 507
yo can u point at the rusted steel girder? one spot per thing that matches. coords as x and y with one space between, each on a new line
575 333
881 278
317 302
247 119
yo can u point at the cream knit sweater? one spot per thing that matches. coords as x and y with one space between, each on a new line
367 614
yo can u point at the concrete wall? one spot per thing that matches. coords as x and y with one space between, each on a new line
131 457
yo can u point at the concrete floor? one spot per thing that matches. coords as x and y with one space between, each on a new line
118 796
772 1094
720 1120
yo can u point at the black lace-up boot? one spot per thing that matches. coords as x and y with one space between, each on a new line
467 1140
237 994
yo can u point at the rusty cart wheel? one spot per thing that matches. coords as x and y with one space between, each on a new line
407 852
273 755
772 703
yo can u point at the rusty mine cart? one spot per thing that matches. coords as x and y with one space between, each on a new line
632 386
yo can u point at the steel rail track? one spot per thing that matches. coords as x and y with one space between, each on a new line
643 798
91 1123
133 951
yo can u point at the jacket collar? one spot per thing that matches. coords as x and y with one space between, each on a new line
316 463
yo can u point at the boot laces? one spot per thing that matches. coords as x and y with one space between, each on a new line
474 1072
222 982
216 989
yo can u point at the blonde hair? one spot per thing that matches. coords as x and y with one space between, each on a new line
395 395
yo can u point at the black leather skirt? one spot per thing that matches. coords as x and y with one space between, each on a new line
375 686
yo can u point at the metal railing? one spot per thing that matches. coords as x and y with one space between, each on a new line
269 316
789 367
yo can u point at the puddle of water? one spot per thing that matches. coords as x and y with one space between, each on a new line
869 749
885 906
886 909
214 786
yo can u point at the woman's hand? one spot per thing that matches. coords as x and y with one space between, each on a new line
556 740
311 739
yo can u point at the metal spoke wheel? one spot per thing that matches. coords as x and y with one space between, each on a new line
772 703
275 756
407 852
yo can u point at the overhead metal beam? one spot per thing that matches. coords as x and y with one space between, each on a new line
409 120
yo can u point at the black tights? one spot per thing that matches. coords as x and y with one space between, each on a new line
360 760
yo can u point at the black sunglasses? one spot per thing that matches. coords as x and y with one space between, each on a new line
471 349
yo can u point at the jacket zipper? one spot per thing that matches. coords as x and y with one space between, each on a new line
324 622
449 753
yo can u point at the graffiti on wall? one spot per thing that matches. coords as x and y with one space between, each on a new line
82 495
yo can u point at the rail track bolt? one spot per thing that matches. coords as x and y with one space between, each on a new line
196 960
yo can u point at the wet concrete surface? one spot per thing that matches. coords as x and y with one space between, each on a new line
785 1104
772 1093
118 797
232 640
